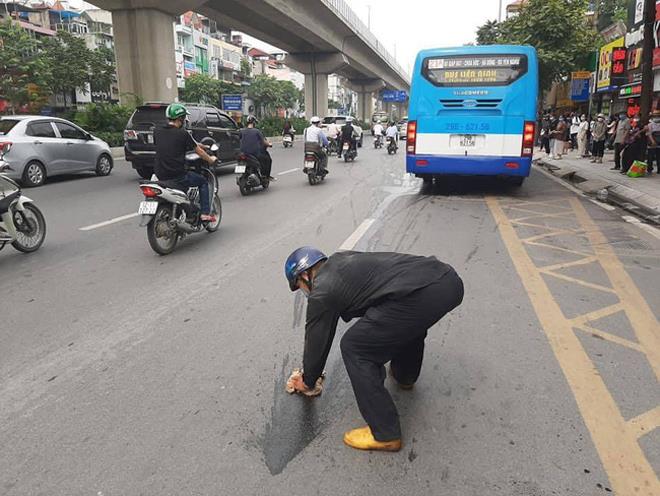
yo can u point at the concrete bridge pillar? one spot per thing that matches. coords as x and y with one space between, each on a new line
365 88
316 67
144 49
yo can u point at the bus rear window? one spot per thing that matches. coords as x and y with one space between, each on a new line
474 70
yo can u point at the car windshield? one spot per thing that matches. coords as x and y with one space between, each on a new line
6 125
148 116
329 120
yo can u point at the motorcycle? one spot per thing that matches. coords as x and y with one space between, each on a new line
170 214
313 168
333 147
378 141
21 223
391 146
248 174
287 140
348 152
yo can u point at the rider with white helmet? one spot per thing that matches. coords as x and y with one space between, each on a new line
316 141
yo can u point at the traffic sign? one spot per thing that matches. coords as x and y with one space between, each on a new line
394 96
232 102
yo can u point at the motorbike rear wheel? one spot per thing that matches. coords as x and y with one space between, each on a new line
312 178
217 210
162 238
32 240
243 186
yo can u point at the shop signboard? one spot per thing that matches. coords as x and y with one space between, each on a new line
656 36
639 11
189 68
606 65
580 86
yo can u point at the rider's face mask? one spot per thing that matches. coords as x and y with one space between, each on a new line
307 287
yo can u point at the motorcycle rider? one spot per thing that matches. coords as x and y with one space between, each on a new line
289 130
393 133
349 134
172 142
316 141
378 130
398 298
254 143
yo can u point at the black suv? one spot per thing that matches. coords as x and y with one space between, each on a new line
205 121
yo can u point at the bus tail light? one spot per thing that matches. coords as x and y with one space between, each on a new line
411 137
528 139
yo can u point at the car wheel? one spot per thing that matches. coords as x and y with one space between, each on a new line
144 172
34 174
104 165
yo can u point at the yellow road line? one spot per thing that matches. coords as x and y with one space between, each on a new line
539 226
645 423
612 338
544 216
574 280
596 314
640 315
629 471
558 248
557 232
566 265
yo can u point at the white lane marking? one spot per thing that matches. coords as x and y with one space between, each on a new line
288 171
108 222
354 238
654 231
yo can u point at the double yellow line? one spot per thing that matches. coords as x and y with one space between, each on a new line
616 439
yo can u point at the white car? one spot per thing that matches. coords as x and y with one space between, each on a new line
340 120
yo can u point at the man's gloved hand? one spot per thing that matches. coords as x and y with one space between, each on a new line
295 384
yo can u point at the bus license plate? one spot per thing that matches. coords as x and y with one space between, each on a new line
468 140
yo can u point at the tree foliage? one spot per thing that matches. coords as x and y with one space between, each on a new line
202 88
610 11
557 29
22 71
68 60
101 70
270 94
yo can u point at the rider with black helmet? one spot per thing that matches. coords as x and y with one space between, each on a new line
254 143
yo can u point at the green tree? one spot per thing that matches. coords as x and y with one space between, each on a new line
246 69
489 33
559 32
610 11
22 70
269 94
68 60
101 70
201 88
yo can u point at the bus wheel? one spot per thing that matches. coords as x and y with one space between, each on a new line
427 179
516 181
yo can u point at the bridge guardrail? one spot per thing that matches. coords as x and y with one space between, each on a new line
342 9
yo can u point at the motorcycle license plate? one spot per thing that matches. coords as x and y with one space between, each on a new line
287 138
309 165
148 208
345 147
240 169
150 139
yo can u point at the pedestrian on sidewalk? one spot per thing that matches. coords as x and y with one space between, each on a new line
622 129
559 135
653 136
635 146
599 132
574 130
544 139
611 131
583 137
398 298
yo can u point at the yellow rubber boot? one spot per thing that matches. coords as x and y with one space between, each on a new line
363 439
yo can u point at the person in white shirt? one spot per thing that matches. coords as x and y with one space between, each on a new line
316 141
378 129
392 133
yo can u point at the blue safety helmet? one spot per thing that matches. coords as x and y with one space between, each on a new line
300 261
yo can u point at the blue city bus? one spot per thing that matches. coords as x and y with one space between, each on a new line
473 112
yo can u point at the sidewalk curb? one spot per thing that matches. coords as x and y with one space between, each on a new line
640 204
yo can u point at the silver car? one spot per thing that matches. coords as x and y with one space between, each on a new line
37 147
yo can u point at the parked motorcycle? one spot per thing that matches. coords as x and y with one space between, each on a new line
313 167
21 223
170 214
348 152
248 174
391 146
287 140
378 141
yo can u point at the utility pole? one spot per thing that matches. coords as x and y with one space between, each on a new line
499 13
646 98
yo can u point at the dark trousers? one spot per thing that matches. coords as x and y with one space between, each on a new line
545 144
617 155
653 155
266 163
599 148
194 180
394 331
632 152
